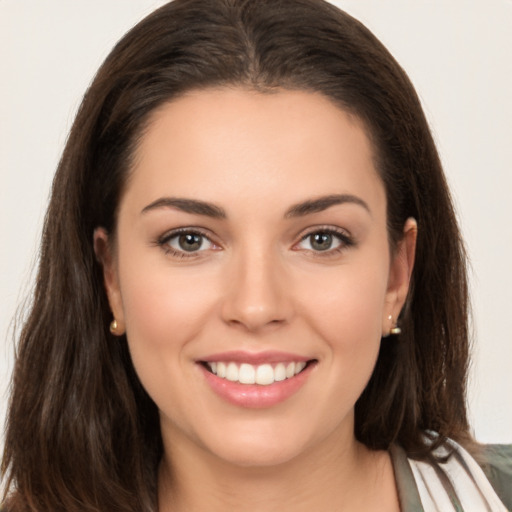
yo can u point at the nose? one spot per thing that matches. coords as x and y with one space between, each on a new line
256 296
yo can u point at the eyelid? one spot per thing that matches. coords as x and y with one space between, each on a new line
163 241
345 238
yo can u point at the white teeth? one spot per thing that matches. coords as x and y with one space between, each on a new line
280 372
263 374
247 374
221 370
299 367
232 372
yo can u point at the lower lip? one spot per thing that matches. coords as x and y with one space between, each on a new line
253 395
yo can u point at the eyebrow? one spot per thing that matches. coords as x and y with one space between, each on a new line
323 203
188 206
302 209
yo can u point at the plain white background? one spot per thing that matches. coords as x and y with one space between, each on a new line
458 55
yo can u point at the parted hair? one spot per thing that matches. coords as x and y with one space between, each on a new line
82 434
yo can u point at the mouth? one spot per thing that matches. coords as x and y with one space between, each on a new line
256 380
261 374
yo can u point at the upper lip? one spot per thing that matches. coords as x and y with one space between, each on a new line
255 358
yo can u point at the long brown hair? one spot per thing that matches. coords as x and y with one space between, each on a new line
82 433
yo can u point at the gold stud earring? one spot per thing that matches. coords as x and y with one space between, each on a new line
113 326
395 330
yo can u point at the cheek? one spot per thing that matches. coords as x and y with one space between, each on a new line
164 310
346 312
348 307
158 302
347 317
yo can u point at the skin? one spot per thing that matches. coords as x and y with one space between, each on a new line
258 283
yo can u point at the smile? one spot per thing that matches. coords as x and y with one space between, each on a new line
258 380
263 374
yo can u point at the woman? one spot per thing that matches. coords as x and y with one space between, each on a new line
252 290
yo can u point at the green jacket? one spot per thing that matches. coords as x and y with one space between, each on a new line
498 471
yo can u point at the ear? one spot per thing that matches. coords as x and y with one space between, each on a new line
400 273
106 257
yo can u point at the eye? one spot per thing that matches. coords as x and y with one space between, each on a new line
325 240
186 242
321 241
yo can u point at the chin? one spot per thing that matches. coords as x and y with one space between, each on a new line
256 456
260 444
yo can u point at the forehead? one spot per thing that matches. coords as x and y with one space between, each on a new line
214 143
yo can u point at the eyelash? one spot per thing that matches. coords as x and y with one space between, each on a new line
164 240
345 241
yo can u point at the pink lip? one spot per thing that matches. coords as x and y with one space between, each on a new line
269 357
255 396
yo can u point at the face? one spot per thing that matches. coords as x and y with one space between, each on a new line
252 272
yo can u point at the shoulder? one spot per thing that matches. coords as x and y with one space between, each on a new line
452 478
497 467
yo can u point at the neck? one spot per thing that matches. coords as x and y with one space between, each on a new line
347 477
